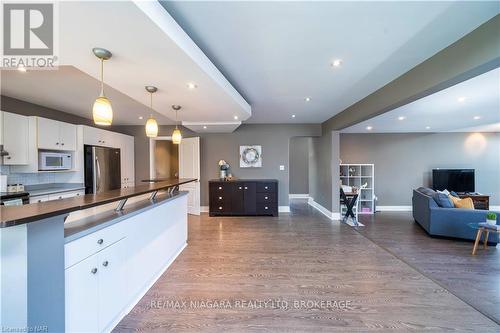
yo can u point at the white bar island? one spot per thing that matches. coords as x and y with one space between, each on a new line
79 265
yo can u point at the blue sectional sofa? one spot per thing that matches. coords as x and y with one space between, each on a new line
447 222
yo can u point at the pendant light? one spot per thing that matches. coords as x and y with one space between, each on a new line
151 124
102 111
176 134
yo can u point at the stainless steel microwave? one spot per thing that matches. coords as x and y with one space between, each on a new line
54 161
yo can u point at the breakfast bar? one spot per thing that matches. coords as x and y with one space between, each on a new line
81 264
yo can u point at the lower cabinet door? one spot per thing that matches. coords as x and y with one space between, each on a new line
238 198
250 198
112 291
82 295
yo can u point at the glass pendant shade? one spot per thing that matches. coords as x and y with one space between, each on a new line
102 111
152 128
176 136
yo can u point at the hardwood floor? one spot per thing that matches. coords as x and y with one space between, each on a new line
474 279
241 262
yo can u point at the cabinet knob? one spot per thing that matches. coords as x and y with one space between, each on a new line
94 270
246 188
239 187
8 157
105 264
62 144
60 197
220 208
265 187
220 187
39 200
220 198
266 198
57 143
100 241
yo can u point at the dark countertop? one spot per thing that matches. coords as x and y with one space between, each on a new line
16 215
243 180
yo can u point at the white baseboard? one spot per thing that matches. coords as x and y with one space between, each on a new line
323 210
393 208
204 209
298 196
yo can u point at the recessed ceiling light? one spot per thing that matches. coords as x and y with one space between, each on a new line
401 118
337 62
204 127
427 127
461 99
477 117
21 69
307 99
369 128
235 117
191 85
293 116
141 117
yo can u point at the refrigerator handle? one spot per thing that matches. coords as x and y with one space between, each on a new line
98 179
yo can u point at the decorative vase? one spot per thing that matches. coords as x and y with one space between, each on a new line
222 174
491 222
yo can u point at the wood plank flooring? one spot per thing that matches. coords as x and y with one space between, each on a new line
302 256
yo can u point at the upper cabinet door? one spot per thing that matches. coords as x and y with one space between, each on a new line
48 134
15 138
67 135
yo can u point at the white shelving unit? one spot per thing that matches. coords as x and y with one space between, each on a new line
357 175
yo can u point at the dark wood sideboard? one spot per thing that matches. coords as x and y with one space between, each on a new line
243 197
480 201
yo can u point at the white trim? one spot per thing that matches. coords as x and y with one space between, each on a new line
323 210
496 208
298 196
143 292
152 155
204 209
284 209
394 208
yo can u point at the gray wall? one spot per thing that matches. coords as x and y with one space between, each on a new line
299 165
274 140
405 161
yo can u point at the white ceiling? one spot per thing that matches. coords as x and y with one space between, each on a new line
149 48
72 91
445 111
277 53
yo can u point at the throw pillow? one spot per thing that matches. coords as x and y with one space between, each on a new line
443 200
466 203
455 194
445 191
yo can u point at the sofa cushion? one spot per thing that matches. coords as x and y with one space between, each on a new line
453 193
427 191
466 203
443 200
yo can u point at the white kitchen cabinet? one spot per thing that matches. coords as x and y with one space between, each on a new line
1 127
16 138
127 160
39 198
95 290
64 195
98 137
56 135
82 296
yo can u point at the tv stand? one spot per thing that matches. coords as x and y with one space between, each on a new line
480 201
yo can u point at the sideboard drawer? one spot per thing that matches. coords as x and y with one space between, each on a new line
266 197
266 209
263 187
219 188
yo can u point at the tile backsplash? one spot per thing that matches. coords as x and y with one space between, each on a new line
28 178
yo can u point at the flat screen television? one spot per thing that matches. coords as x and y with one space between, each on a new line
458 180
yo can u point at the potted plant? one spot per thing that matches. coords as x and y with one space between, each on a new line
491 218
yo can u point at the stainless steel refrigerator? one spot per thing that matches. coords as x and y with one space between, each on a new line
102 169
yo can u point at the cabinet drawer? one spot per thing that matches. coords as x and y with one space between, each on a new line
266 187
86 246
39 198
266 209
266 197
64 195
217 188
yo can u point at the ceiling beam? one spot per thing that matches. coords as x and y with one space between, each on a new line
474 54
